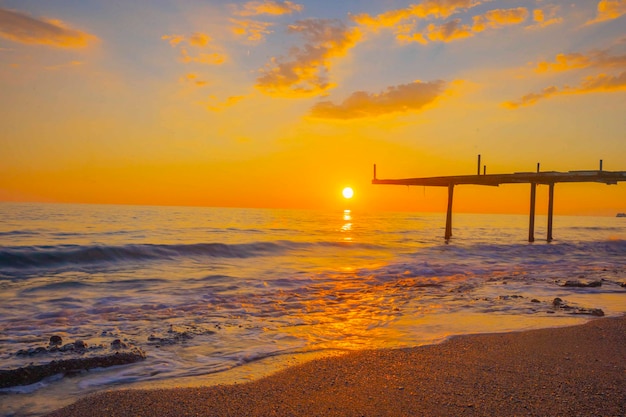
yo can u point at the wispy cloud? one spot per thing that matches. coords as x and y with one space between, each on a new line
545 17
193 78
197 41
252 30
20 27
304 72
592 84
449 31
395 99
271 7
609 10
600 59
406 33
217 106
173 40
500 17
602 82
71 64
576 60
428 8
532 98
214 58
455 29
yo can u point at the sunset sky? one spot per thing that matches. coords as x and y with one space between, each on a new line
285 103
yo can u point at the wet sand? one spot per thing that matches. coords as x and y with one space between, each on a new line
572 371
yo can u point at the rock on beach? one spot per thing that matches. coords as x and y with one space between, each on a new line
90 357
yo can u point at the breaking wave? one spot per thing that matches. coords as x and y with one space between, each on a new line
46 257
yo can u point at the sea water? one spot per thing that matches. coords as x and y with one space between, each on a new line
222 295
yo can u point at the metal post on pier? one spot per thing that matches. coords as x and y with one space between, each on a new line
550 210
448 234
531 226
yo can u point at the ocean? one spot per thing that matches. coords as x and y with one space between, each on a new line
223 295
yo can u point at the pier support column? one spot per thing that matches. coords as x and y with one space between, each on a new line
550 211
448 234
531 226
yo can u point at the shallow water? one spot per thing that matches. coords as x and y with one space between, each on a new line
221 295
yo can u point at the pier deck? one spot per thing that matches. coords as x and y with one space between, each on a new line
548 178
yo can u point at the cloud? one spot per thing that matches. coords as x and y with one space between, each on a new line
272 7
449 31
532 98
576 60
253 30
565 62
545 17
426 9
454 29
20 27
219 106
70 64
196 40
305 71
601 83
214 58
609 10
593 84
174 40
500 17
442 8
388 19
192 78
406 34
395 99
199 39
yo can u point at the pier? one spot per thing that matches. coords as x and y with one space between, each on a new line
549 178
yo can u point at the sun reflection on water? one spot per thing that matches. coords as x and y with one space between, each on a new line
347 226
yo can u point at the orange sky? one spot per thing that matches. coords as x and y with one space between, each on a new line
283 104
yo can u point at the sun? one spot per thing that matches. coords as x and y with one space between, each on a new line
347 192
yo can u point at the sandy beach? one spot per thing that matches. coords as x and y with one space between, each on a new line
572 371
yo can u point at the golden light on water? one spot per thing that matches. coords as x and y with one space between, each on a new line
347 227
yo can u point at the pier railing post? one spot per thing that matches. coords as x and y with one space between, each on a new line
531 226
448 234
550 210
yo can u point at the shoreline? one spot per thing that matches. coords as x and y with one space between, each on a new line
576 371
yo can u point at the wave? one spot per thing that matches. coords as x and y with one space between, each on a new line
615 246
12 233
58 256
481 259
50 256
597 228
